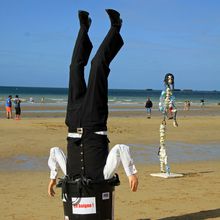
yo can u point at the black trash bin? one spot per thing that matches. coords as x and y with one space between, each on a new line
89 200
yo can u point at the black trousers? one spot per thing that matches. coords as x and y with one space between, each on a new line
17 110
88 105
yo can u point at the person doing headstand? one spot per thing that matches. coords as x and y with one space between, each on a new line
87 112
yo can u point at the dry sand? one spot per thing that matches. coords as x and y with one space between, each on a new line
23 193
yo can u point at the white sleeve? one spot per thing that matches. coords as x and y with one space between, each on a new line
119 153
56 157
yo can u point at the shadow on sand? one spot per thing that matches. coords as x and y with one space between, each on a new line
192 174
215 213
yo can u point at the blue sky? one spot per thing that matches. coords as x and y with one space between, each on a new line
178 36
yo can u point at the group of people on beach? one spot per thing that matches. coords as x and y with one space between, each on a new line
15 102
17 105
187 105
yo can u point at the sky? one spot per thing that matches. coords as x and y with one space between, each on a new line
160 36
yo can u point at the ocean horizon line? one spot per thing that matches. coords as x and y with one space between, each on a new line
124 89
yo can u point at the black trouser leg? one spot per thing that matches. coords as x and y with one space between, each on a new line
77 85
95 105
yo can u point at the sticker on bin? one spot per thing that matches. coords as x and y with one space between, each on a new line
86 205
105 195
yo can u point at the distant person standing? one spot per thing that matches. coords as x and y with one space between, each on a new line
148 107
202 103
8 106
185 106
31 100
188 105
42 100
17 103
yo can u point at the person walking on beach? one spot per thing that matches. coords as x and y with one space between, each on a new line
148 107
17 104
8 107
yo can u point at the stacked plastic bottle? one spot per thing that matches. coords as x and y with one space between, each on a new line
162 149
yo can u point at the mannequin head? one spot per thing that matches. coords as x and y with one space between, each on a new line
169 80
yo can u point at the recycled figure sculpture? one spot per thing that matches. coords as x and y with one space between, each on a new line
168 108
87 189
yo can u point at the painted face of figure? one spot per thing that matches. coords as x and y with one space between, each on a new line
170 79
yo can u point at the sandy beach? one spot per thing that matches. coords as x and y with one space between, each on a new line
133 63
25 144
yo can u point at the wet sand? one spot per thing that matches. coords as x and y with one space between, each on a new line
38 110
194 196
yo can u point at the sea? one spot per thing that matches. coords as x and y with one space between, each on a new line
121 97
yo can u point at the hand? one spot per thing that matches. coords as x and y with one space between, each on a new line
50 190
133 182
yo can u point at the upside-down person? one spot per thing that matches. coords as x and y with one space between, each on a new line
88 158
